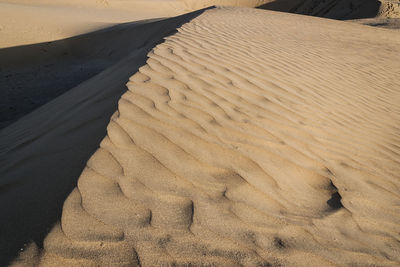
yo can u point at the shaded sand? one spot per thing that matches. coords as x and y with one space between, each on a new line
338 9
382 13
32 75
25 22
48 47
43 153
249 138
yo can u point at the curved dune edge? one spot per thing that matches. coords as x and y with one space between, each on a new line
43 153
249 138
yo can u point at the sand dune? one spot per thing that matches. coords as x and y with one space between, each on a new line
25 22
338 9
382 13
240 143
44 152
32 75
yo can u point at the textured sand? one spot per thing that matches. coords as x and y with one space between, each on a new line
249 138
43 153
45 45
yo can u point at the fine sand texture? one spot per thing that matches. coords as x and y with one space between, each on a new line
249 138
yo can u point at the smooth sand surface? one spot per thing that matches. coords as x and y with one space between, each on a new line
249 138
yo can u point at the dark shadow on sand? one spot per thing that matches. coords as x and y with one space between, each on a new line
32 75
337 9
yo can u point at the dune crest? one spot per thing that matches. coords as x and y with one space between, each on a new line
242 144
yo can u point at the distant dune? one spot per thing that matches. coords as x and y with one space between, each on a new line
250 138
338 9
383 13
26 21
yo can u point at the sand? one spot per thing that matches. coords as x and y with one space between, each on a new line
250 137
45 45
24 22
43 153
338 9
380 13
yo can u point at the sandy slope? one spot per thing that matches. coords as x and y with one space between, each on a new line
338 9
43 153
33 75
36 66
25 23
31 21
249 138
381 13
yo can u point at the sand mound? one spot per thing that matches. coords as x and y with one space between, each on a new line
43 153
35 69
25 22
240 143
29 22
338 9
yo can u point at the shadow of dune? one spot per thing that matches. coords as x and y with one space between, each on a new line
43 153
32 75
336 9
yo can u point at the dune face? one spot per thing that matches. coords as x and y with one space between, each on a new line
44 152
240 143
35 74
338 9
25 22
28 22
45 46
